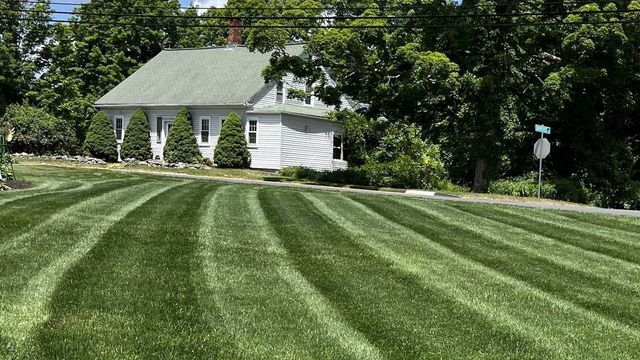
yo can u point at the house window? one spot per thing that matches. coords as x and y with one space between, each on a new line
339 148
204 129
222 119
159 130
118 127
307 89
280 94
253 132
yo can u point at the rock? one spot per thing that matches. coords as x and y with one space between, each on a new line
4 187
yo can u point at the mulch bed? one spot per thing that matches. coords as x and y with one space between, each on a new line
17 185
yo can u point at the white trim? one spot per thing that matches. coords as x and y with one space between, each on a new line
247 131
165 134
312 100
208 119
333 147
115 129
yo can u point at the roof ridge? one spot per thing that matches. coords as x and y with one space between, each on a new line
215 47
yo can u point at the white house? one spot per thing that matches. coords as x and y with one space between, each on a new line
211 83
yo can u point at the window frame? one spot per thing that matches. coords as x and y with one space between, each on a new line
280 94
254 132
221 120
341 147
120 136
308 101
205 120
159 127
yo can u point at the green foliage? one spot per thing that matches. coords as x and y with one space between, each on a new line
137 138
232 150
571 190
351 176
522 187
23 36
101 140
181 145
38 132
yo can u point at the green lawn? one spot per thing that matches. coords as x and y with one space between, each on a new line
96 264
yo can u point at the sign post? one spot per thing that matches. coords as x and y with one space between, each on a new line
541 150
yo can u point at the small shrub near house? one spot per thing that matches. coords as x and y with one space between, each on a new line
232 150
181 146
137 138
101 139
37 132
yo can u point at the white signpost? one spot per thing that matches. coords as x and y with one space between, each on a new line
541 150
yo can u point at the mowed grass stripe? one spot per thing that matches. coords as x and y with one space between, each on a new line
591 292
510 304
8 197
44 256
134 294
26 213
617 235
623 273
626 223
389 306
259 292
619 248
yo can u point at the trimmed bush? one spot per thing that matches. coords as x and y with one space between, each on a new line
38 132
232 150
137 138
181 143
522 187
101 139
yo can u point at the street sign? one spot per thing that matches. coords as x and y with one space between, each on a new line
541 148
543 129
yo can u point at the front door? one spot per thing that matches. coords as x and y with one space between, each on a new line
165 130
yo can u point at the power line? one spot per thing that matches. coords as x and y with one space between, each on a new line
332 17
397 7
331 26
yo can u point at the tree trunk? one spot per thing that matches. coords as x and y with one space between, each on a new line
479 180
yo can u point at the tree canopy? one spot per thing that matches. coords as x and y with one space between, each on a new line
474 76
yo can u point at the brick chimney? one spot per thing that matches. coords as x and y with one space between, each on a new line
234 36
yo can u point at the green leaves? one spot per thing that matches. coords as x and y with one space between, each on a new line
137 138
37 132
231 150
181 145
101 139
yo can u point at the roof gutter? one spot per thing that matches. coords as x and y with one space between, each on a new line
167 105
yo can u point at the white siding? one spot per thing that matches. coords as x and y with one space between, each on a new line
266 153
169 115
267 96
308 142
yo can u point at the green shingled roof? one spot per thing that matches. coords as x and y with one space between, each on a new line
293 110
209 76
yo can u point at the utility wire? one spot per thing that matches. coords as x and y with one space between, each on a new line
330 17
331 26
327 8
